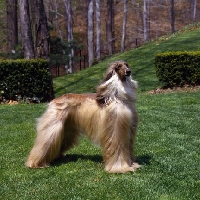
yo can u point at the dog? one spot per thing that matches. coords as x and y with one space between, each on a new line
108 118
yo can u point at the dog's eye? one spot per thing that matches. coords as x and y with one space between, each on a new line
118 67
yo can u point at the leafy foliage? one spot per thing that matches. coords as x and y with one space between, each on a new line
25 78
178 68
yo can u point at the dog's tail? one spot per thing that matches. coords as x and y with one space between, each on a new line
49 139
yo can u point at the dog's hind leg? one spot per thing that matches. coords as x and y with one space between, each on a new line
133 130
71 136
50 131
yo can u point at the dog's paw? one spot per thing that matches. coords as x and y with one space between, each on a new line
30 164
136 165
124 169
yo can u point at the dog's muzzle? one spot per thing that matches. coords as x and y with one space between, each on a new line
128 72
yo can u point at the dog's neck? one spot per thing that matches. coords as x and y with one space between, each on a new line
115 89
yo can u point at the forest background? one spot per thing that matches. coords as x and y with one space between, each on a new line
74 34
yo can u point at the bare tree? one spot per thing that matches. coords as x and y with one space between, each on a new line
12 28
27 41
57 22
98 29
90 33
145 20
69 35
40 29
172 17
124 26
166 16
193 9
109 26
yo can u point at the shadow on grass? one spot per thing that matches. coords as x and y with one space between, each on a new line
75 157
142 160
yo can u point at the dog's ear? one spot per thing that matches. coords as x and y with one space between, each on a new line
109 75
113 68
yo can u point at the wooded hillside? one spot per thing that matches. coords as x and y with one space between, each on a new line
91 29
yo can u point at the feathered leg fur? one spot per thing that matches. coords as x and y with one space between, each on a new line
52 138
117 140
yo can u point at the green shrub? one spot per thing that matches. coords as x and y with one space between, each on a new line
25 79
178 68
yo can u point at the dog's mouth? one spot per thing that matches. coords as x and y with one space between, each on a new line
128 73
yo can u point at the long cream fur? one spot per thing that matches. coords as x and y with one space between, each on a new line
108 118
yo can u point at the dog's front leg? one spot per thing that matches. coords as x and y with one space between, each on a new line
117 159
116 144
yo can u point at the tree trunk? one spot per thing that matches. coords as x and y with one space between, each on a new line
109 26
40 29
193 10
124 26
172 18
12 28
70 67
57 21
98 28
145 21
27 41
90 33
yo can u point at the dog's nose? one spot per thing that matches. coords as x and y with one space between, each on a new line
128 72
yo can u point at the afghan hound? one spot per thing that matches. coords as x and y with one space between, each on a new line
108 117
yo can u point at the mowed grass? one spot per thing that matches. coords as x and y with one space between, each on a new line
167 147
167 144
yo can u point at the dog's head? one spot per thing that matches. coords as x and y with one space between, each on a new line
117 84
120 68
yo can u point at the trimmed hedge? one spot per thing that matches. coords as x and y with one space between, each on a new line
26 79
178 68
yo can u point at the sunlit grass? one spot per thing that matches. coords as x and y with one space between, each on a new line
167 147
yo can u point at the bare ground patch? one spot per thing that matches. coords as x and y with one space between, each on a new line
185 88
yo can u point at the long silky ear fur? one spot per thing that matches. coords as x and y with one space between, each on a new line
101 99
108 76
110 72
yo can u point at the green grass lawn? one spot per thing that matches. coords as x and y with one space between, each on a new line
167 144
167 147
